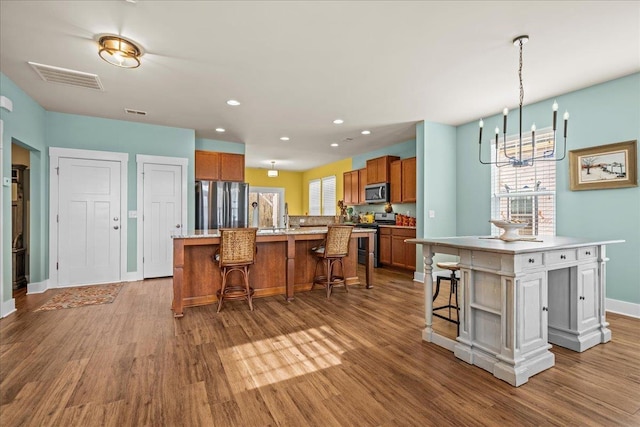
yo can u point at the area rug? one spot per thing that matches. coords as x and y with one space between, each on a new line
82 296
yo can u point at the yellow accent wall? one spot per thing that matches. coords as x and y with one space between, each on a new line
336 168
290 181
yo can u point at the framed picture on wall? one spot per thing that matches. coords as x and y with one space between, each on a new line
605 166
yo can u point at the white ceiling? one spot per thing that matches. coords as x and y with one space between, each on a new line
297 66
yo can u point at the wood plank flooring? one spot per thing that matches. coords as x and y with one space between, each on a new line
354 360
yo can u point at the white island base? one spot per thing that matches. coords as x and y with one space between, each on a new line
517 297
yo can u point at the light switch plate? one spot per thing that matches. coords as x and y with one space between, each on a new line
432 214
6 181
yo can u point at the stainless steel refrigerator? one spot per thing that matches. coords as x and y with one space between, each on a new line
221 204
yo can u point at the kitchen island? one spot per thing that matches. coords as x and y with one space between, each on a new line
284 264
516 297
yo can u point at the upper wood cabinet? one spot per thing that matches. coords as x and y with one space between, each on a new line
215 166
403 180
362 175
378 169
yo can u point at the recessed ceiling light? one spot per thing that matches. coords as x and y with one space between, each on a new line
338 121
335 144
366 132
220 129
284 138
233 102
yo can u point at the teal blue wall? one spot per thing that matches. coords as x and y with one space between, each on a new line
436 185
25 126
601 114
91 133
222 146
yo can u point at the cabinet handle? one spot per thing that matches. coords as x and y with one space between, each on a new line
545 308
588 252
531 260
563 257
582 298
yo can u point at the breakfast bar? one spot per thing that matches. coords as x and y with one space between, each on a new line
516 297
283 265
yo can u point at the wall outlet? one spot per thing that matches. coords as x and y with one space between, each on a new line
6 181
432 214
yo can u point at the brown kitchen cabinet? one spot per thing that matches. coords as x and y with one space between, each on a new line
378 169
393 249
403 180
216 166
353 188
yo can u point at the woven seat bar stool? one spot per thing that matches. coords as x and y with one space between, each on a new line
453 268
236 253
330 255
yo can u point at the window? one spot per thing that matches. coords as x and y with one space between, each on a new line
322 196
269 209
526 193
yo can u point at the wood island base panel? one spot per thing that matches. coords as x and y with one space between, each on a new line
284 264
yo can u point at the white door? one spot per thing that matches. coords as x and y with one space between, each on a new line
89 223
162 216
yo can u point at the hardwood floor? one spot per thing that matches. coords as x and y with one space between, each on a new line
356 359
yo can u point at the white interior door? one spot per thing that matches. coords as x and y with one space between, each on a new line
89 223
162 216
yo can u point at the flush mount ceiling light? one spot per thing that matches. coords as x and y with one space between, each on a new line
119 52
272 173
233 102
528 145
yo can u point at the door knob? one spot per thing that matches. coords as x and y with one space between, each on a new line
177 225
115 218
115 227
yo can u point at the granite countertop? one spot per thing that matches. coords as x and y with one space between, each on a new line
410 227
203 234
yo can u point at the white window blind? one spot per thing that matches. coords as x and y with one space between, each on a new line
526 193
314 197
329 195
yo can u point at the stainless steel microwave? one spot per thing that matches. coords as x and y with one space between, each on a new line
376 193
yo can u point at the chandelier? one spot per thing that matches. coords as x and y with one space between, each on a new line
272 173
517 159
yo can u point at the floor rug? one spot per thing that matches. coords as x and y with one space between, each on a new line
83 295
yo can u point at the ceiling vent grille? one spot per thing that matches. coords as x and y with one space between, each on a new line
52 74
135 112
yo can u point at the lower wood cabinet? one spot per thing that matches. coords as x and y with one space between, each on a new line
394 251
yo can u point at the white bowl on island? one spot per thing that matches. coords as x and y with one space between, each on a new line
510 229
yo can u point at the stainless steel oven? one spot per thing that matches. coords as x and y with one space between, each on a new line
379 218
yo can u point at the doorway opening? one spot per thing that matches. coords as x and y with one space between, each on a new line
20 195
267 207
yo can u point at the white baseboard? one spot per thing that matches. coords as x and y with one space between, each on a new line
7 307
418 276
37 287
622 307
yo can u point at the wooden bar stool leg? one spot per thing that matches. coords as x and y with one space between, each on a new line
247 287
222 288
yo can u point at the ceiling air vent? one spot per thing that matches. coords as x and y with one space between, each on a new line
135 112
52 74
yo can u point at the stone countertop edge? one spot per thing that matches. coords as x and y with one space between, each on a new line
408 227
205 234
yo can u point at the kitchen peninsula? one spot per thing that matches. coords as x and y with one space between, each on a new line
284 264
517 297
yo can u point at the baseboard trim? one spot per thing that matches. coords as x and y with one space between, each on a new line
37 287
418 276
132 276
622 307
7 307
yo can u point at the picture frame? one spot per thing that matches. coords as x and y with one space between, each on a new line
604 166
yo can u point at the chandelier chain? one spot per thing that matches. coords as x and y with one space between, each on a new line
520 76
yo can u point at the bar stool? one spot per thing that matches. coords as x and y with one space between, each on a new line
331 253
453 268
237 252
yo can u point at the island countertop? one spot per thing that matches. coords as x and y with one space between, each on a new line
283 264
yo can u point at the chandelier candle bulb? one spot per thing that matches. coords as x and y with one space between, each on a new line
566 119
505 112
481 125
555 114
